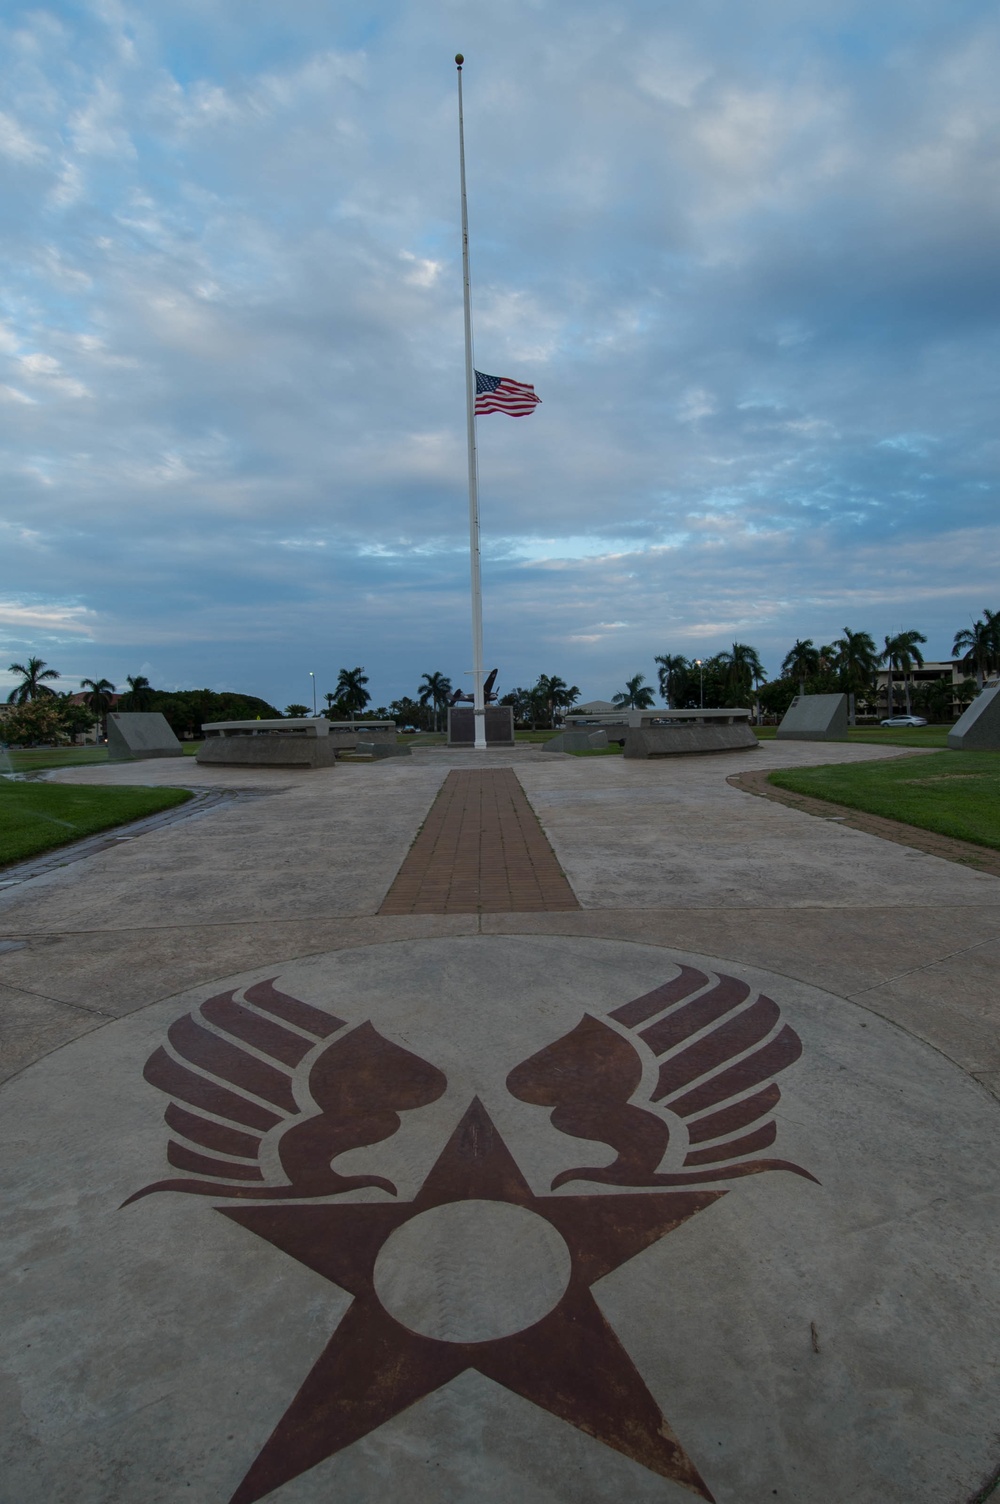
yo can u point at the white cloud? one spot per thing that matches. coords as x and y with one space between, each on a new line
422 272
49 619
16 143
46 373
747 289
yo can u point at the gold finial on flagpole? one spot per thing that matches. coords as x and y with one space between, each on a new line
459 59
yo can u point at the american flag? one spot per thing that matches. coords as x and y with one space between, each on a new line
498 394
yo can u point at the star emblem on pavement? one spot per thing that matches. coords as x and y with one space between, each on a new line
561 1354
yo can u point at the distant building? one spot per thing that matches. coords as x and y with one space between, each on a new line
81 697
595 707
949 670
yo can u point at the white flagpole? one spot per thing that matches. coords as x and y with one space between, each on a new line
479 708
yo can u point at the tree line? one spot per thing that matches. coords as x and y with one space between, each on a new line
849 665
41 713
735 677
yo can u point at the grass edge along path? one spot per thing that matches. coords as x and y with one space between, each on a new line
928 841
956 794
921 836
39 817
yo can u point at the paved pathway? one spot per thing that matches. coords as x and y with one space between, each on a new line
686 1189
481 850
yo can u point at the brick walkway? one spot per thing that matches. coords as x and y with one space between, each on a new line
481 851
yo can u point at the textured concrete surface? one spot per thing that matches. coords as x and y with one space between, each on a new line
268 749
803 1341
952 849
141 734
687 737
978 727
832 1338
815 718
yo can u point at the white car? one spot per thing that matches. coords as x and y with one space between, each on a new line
904 720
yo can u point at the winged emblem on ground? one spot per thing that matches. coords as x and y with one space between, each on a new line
267 1092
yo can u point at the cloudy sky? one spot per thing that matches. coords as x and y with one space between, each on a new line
746 254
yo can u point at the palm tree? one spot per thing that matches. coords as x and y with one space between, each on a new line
856 661
801 662
32 687
351 690
671 669
139 695
527 704
99 699
902 652
636 695
555 694
934 699
977 645
435 689
743 669
992 619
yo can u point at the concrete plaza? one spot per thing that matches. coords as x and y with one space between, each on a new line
679 1181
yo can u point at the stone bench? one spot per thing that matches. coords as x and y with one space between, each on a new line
295 741
346 735
298 742
672 733
377 751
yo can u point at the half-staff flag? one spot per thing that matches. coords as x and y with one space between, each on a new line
498 394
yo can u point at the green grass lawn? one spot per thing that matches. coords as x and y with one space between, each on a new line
953 793
889 736
901 736
36 817
613 749
33 759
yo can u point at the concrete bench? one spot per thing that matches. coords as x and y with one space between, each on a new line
347 735
298 742
378 751
672 733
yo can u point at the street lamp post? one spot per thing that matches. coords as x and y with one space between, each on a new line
701 684
313 678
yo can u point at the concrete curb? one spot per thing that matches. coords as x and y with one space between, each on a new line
948 847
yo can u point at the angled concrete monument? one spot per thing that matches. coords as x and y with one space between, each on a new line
577 741
978 727
815 718
138 734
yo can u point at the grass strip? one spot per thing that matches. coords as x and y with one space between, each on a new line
883 736
36 817
953 793
33 759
